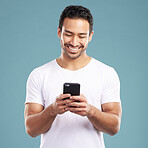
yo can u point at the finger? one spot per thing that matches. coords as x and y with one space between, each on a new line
62 107
62 96
76 98
80 98
64 102
77 104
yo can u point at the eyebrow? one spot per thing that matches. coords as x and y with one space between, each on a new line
73 33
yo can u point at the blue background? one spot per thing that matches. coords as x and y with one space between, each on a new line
28 39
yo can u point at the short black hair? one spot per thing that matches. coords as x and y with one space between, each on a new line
74 12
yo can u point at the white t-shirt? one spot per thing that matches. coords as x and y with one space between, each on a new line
99 84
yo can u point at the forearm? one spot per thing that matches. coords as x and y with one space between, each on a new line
40 123
104 121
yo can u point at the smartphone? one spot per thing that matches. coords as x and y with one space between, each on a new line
71 88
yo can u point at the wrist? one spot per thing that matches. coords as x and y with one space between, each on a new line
89 111
53 109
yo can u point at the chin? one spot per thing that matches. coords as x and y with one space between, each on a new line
74 56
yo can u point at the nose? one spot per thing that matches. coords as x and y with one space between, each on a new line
75 41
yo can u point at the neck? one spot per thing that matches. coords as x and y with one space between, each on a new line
73 64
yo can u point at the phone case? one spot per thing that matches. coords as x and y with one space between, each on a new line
71 88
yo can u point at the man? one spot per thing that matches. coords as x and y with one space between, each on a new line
77 122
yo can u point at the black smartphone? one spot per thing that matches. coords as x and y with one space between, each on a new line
71 88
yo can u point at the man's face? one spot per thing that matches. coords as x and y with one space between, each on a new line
74 37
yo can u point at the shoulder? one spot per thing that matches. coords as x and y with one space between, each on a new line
44 68
105 70
41 71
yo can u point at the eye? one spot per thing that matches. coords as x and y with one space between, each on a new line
68 35
82 37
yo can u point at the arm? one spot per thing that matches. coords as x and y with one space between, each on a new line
108 120
39 120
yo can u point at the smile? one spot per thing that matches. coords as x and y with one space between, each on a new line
73 48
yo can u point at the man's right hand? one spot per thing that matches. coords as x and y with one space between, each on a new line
59 105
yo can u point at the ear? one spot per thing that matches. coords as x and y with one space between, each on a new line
59 32
90 36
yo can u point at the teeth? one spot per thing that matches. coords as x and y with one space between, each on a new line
74 49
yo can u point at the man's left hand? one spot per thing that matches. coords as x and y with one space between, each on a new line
80 105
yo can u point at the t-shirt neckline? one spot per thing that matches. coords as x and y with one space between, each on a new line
81 69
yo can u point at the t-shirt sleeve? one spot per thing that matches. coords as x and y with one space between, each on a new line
33 89
111 90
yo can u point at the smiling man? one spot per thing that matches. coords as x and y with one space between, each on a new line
79 121
74 36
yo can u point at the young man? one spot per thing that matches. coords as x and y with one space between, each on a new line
77 122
